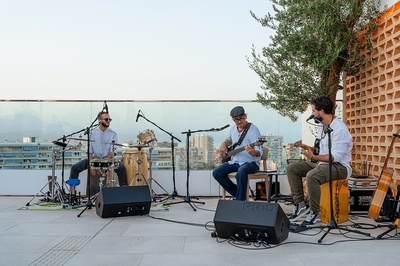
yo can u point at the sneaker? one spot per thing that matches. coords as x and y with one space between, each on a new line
299 211
312 219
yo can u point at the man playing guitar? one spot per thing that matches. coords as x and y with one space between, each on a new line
242 136
318 172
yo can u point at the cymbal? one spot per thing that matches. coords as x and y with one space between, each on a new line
118 144
80 139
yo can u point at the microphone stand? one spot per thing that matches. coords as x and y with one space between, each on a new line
89 203
174 193
188 199
332 223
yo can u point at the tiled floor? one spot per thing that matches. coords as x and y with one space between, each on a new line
178 236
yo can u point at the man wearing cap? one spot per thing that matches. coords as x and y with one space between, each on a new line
245 162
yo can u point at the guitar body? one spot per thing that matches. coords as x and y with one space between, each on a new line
380 193
232 151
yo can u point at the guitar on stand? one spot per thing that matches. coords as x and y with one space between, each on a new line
383 183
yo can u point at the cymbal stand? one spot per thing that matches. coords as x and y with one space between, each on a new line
55 191
112 166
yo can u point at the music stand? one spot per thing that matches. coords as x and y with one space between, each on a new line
188 198
332 223
174 193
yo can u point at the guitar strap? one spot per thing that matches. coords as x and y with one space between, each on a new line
242 136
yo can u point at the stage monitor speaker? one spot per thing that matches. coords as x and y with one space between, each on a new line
251 221
123 201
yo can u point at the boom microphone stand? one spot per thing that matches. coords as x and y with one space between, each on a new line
188 199
332 223
174 193
89 203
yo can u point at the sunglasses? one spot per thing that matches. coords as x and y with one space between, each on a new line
107 119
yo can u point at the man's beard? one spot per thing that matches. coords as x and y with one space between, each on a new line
104 125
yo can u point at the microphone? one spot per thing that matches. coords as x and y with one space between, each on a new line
105 106
317 120
222 128
138 115
311 117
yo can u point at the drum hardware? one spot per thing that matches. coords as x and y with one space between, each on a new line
55 193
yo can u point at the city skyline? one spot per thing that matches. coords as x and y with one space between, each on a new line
53 120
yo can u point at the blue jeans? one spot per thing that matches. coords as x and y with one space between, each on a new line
83 165
237 190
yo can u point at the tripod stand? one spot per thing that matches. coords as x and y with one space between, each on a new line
188 198
332 223
55 193
174 193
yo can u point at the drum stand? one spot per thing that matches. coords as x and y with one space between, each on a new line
55 191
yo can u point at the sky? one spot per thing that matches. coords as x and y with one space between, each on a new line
130 49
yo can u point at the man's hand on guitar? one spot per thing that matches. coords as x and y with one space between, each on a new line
307 153
250 149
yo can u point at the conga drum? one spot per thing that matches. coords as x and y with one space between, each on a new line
137 166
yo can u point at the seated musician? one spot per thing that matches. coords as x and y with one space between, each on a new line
316 170
101 139
245 162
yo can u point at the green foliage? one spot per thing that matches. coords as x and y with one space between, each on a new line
315 42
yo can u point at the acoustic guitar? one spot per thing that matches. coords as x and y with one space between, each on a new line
232 151
315 149
383 184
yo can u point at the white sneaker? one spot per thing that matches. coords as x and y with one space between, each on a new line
312 219
298 212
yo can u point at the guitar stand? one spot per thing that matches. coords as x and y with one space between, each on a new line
396 222
332 223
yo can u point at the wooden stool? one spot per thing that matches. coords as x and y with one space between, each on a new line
340 198
258 175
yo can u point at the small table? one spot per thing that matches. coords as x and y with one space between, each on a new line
277 196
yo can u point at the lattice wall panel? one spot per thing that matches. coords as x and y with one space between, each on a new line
373 99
